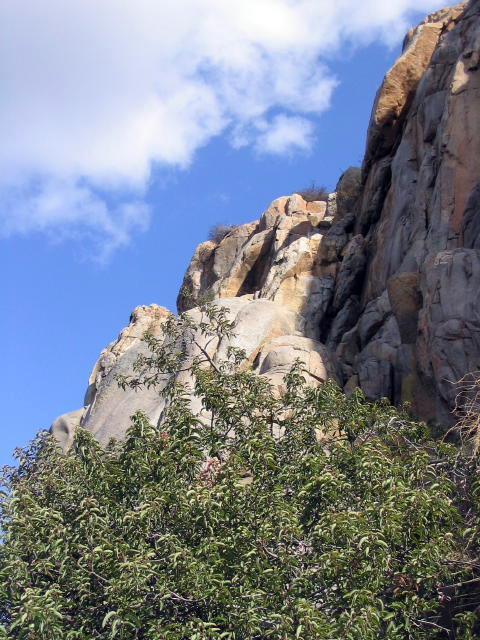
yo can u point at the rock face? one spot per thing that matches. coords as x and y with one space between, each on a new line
104 401
419 215
291 256
378 285
271 335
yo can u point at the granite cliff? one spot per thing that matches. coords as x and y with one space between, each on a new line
376 286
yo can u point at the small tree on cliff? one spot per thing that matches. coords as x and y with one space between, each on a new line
314 192
313 515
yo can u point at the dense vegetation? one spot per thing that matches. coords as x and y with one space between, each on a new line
311 515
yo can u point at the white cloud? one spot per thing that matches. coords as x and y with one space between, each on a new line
285 135
94 92
66 209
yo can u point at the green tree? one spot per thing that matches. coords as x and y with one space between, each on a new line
312 515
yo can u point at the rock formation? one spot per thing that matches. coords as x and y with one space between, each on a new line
271 335
378 285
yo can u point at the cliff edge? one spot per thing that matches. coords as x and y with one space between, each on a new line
376 285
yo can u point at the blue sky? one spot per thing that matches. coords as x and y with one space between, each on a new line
108 181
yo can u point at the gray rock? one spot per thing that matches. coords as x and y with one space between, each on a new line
449 323
345 319
373 317
351 272
63 428
471 219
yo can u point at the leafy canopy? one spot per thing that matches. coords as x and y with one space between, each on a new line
311 515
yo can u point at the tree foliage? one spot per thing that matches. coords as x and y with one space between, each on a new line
311 515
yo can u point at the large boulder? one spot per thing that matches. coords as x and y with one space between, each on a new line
275 259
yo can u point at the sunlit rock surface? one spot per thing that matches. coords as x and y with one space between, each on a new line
271 335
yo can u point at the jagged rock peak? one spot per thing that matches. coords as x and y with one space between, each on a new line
290 256
394 97
417 209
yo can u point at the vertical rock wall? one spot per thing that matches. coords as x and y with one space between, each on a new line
418 215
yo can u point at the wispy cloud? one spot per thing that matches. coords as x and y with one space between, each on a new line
94 93
65 209
284 135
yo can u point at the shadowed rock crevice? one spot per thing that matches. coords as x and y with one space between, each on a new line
257 275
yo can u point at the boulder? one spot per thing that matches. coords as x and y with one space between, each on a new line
63 427
278 355
276 258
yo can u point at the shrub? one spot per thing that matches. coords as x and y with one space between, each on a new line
247 526
313 193
219 231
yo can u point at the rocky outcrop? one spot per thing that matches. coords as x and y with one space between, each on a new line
419 216
290 256
271 335
378 285
104 401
